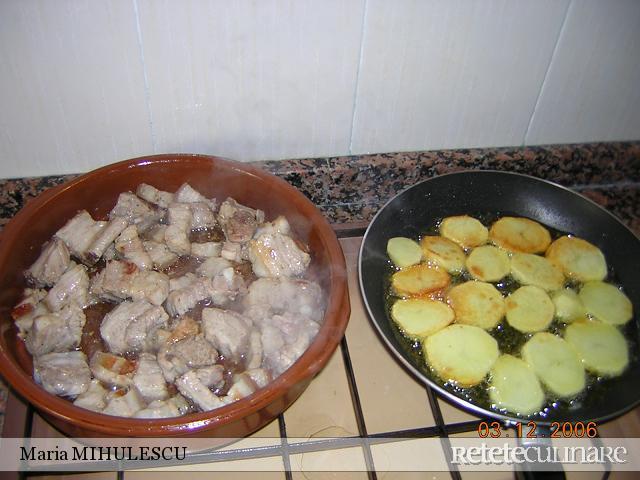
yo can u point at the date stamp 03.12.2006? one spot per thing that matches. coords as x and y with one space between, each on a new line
532 430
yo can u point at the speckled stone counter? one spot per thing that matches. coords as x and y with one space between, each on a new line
351 189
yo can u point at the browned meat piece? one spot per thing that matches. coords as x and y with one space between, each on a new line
279 295
112 369
179 357
105 238
79 232
72 288
202 215
28 309
152 195
206 250
121 280
186 327
65 374
94 398
57 332
173 407
126 405
228 331
50 265
238 221
130 326
130 247
176 235
149 380
191 386
135 211
277 255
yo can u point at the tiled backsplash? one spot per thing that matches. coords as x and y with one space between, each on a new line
84 84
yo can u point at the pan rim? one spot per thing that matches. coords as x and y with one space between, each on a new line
421 377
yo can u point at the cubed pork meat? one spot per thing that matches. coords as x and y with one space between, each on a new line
121 280
136 212
56 332
191 386
206 249
253 358
277 255
112 369
152 195
124 405
228 331
155 233
130 247
176 236
187 194
94 398
72 288
179 357
173 407
213 266
202 216
79 232
149 379
50 265
131 326
105 238
243 386
159 254
280 295
238 221
64 373
234 252
186 327
279 225
28 309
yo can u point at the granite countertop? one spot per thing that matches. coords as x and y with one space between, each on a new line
352 189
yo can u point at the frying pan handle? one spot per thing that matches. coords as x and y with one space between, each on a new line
538 470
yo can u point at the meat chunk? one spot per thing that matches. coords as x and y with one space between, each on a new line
135 211
124 405
192 387
238 221
180 357
213 266
152 195
130 247
232 252
65 374
112 369
187 194
253 358
28 309
243 386
130 326
159 254
105 238
57 332
176 235
79 232
202 215
173 407
122 280
149 380
279 225
279 295
277 255
228 331
71 289
50 265
186 327
206 250
94 398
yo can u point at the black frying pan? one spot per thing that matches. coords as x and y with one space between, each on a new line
493 194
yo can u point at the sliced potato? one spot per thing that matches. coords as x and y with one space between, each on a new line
419 280
530 269
404 252
488 263
518 234
466 231
556 363
461 353
601 347
606 302
578 259
477 303
443 252
529 309
514 386
419 317
568 305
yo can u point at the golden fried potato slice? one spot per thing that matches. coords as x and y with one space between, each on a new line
606 302
529 309
556 364
443 252
514 386
466 231
601 347
578 259
419 280
419 317
477 303
568 305
488 263
461 353
403 251
518 234
530 269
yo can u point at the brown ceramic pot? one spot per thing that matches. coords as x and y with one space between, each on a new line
97 192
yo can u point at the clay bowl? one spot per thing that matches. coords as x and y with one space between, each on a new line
97 192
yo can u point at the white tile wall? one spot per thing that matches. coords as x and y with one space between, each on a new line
85 83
